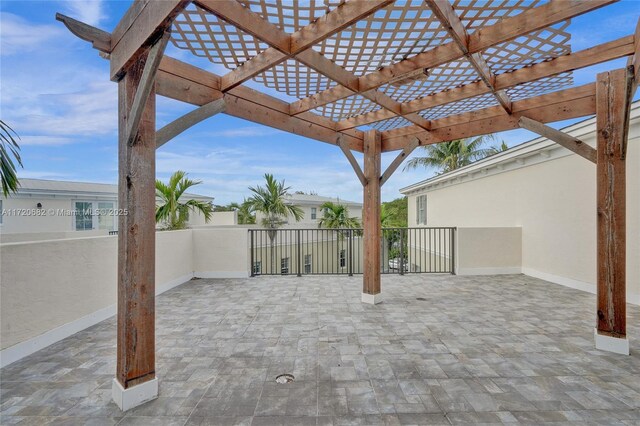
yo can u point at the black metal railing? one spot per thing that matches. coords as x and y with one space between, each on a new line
113 232
340 251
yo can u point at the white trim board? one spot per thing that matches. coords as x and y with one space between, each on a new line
20 350
634 299
221 274
499 270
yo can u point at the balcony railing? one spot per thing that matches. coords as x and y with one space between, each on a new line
340 251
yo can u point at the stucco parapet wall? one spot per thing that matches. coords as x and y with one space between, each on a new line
529 153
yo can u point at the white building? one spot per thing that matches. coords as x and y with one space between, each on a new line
311 206
537 203
61 208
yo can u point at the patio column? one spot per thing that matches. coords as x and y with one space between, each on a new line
135 381
612 117
371 218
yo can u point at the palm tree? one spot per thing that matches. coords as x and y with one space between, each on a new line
500 148
270 200
9 148
336 216
448 156
245 215
173 211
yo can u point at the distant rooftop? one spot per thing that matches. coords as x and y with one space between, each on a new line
61 187
317 199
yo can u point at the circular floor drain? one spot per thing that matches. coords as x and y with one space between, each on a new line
422 299
285 378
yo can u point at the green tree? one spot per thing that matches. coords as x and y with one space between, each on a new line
173 211
245 215
499 148
452 155
9 148
393 214
270 201
336 216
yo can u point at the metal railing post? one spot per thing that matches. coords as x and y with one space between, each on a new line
453 251
251 254
350 252
299 238
401 251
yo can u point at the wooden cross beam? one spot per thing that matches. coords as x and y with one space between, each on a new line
635 59
144 87
443 10
352 160
139 28
283 46
506 29
188 120
406 151
345 15
598 54
561 138
555 106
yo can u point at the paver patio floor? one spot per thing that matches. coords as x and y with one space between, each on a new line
492 349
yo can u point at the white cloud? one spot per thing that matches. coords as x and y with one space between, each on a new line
88 11
17 36
39 140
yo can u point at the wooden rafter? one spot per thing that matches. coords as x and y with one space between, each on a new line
505 30
452 23
145 86
352 160
188 120
406 151
571 143
556 106
142 25
635 59
283 46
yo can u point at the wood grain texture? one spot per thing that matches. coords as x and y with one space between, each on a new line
406 151
352 160
612 112
571 143
371 212
136 237
188 120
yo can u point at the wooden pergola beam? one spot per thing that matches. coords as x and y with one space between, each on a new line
371 291
100 40
505 30
556 106
571 143
612 126
634 60
143 24
406 151
352 160
188 120
598 54
282 45
183 82
145 85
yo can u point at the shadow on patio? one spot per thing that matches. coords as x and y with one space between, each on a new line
440 349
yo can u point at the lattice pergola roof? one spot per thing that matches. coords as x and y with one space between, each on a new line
391 34
408 68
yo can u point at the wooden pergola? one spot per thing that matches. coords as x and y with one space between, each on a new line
369 76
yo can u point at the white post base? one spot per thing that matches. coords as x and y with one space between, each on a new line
372 299
127 399
611 344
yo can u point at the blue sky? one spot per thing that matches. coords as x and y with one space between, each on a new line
55 91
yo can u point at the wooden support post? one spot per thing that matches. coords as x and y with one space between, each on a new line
371 217
136 381
612 112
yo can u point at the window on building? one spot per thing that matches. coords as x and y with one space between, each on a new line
314 213
106 216
284 265
257 268
343 258
421 210
83 216
307 263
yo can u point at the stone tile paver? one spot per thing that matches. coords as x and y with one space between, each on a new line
491 350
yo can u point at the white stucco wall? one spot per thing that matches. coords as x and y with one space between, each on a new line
553 201
52 289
